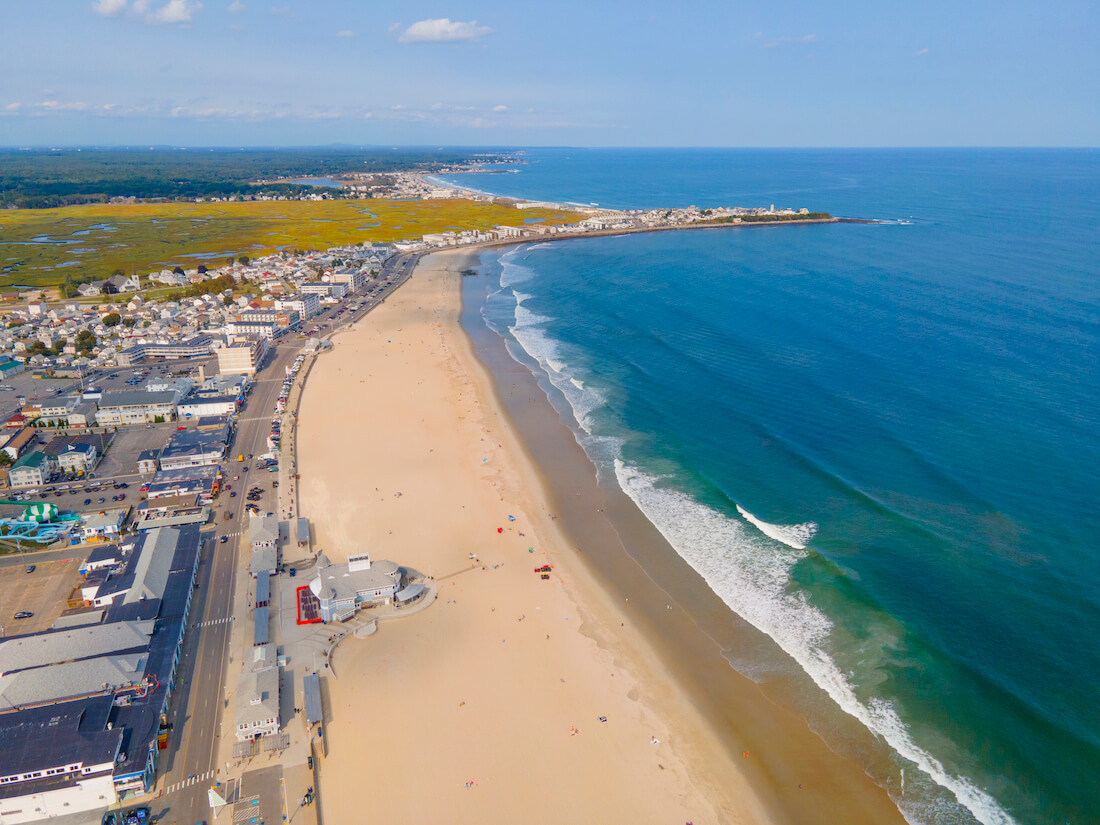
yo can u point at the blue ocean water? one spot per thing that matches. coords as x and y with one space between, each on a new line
879 444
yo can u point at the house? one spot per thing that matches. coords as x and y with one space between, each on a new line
104 524
20 442
75 454
147 461
31 470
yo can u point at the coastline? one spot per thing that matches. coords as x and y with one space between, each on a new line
494 703
728 749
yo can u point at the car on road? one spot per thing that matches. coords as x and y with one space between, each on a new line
102 499
223 539
232 493
87 501
23 614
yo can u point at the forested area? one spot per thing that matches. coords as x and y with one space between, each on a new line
42 178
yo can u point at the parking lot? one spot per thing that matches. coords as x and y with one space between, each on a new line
77 493
25 385
121 459
43 593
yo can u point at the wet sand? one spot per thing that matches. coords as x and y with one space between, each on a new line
467 712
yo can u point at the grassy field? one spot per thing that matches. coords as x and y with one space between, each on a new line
40 247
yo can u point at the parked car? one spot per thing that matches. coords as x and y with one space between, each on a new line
23 614
30 568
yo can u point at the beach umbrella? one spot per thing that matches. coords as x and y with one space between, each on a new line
500 529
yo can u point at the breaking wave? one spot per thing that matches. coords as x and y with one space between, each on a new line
792 535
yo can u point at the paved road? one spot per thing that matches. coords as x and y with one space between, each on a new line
187 768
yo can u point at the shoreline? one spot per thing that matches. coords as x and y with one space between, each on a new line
696 756
796 773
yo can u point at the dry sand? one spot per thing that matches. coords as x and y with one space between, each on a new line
404 453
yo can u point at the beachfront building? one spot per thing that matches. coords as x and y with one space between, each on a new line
306 305
195 448
185 481
242 358
196 406
257 704
353 279
263 532
341 588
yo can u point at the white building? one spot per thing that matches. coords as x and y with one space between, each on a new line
306 305
136 407
257 704
242 358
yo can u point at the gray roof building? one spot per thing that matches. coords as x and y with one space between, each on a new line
340 588
263 531
257 703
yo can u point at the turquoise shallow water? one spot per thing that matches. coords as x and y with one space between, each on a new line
877 443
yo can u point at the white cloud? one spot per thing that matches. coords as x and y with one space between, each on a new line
56 106
772 42
174 11
500 108
345 33
443 31
13 107
236 7
141 6
109 8
920 53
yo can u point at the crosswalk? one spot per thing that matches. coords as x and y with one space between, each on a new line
209 622
188 782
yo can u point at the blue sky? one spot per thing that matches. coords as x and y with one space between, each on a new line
721 73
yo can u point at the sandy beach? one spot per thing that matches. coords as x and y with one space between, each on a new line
512 698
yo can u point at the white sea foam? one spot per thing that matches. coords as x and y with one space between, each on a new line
511 271
750 574
753 578
792 535
529 331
